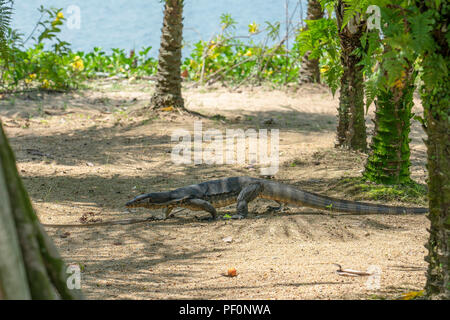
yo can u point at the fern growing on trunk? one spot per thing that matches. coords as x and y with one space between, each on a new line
389 158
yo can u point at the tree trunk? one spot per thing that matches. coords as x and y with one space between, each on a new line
436 103
30 266
168 83
351 130
309 69
388 162
437 114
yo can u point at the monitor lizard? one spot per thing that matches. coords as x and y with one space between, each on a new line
209 195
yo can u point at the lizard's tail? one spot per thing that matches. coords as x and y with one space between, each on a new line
285 193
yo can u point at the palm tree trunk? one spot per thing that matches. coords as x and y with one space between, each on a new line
309 70
437 114
388 162
30 266
168 84
351 130
436 103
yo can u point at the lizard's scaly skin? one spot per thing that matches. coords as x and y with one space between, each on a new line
223 192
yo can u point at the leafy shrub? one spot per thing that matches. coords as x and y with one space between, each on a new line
55 69
59 68
226 57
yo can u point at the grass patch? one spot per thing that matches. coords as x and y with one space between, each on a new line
411 192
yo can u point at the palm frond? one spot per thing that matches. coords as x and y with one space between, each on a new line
6 8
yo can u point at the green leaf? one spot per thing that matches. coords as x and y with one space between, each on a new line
421 27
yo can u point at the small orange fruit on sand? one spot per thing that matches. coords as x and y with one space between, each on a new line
232 272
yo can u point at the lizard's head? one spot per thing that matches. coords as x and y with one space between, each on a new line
153 200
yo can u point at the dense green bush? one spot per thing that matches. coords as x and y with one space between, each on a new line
55 68
58 67
50 64
227 58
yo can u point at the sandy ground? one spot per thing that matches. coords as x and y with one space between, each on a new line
82 155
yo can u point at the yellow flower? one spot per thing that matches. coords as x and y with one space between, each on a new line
30 78
324 69
58 17
400 83
77 64
253 28
248 53
45 84
211 52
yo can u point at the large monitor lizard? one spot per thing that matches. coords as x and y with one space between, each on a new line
209 195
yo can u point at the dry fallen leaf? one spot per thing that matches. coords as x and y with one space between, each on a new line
411 295
170 108
232 272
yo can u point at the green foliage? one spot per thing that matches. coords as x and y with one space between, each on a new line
406 34
408 31
50 63
5 19
371 54
59 68
118 62
354 8
227 22
322 40
228 58
55 69
54 18
388 68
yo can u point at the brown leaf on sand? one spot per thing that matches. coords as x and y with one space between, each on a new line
231 272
